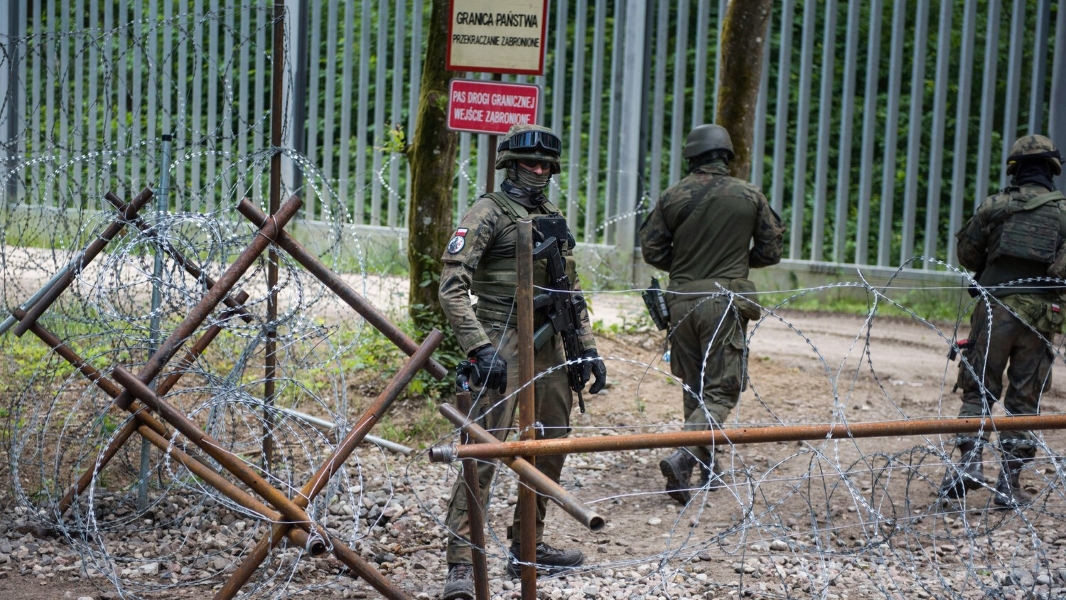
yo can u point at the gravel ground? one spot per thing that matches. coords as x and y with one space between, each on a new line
819 519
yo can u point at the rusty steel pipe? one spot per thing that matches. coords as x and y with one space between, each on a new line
343 290
114 391
747 435
211 447
97 246
214 295
340 454
315 545
537 480
474 512
190 267
527 412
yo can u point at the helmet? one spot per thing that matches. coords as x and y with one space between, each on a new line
1034 147
531 142
705 138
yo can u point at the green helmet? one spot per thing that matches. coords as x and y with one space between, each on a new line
705 138
530 142
1034 147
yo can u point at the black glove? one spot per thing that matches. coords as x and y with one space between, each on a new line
490 370
593 367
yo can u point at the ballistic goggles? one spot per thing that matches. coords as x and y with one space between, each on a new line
528 141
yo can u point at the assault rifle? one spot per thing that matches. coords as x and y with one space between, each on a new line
562 306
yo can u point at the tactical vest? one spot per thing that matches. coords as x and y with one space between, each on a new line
497 278
1026 229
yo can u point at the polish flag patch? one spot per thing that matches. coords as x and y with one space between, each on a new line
458 241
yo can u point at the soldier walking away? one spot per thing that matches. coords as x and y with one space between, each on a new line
481 258
707 231
1014 243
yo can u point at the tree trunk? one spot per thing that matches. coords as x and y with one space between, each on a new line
743 36
432 157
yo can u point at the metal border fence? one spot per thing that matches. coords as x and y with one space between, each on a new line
880 125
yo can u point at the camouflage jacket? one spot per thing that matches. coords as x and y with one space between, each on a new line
703 227
484 234
979 233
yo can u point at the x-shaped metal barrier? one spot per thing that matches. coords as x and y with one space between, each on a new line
132 393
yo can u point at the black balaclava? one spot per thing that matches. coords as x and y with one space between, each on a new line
1034 172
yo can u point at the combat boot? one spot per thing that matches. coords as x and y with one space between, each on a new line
549 559
965 475
1009 493
711 476
459 585
677 469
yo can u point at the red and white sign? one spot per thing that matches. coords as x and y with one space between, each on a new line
490 106
497 36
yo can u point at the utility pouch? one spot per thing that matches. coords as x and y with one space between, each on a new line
656 303
747 307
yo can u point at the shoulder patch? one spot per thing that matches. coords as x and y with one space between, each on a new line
458 241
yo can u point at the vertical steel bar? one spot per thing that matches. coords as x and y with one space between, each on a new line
758 148
558 101
825 128
847 121
959 175
1057 118
915 130
723 6
937 143
781 127
10 87
677 125
610 196
526 404
988 104
343 174
888 179
1014 77
242 106
195 111
577 113
1038 83
869 123
380 72
312 103
362 116
156 302
277 82
662 20
699 74
399 33
211 135
592 163
799 173
329 110
474 511
464 166
629 168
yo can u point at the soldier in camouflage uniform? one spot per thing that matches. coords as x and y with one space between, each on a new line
701 233
481 259
1013 243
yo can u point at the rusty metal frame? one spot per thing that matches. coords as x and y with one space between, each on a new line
288 517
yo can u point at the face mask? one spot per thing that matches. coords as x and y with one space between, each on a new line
528 179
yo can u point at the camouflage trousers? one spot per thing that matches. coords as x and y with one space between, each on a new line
707 352
1001 341
496 413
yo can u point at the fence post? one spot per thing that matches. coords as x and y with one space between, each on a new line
629 166
1057 105
9 89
